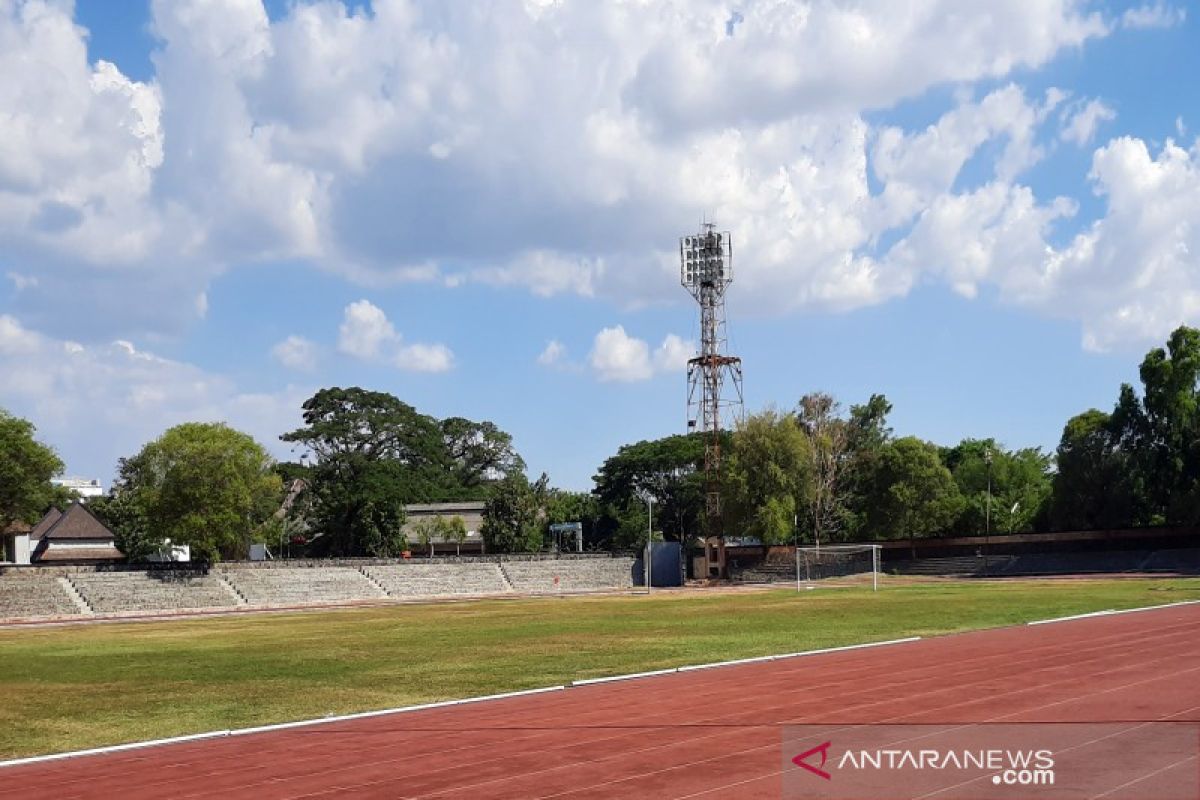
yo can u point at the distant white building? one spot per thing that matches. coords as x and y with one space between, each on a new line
84 487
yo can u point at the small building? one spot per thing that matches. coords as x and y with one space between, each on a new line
84 487
73 536
471 512
14 543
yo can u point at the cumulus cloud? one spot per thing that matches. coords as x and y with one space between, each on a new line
364 330
554 146
296 352
367 334
98 403
1130 277
565 137
673 353
617 356
1081 121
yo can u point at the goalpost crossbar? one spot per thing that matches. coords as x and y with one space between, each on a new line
817 563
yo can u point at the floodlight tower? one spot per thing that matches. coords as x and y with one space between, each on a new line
714 378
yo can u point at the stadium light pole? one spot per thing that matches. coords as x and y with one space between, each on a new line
649 542
987 520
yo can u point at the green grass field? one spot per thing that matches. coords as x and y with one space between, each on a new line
88 685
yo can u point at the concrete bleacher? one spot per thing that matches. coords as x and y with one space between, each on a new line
33 595
574 575
290 586
432 580
1112 562
153 590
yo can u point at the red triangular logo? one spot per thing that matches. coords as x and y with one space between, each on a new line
823 749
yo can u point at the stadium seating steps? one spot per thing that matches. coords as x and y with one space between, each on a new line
46 592
152 590
304 586
29 595
432 580
538 577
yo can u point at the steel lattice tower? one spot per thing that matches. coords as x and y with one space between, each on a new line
714 377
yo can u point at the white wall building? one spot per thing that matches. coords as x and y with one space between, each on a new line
84 487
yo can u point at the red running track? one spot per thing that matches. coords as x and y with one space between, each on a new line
710 733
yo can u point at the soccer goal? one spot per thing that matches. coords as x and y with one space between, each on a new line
838 565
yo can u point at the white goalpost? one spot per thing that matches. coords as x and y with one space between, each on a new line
838 563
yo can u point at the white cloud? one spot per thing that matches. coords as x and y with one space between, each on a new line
673 353
364 330
1135 274
1130 277
296 352
14 339
1080 121
617 356
1157 15
424 358
566 142
567 138
98 403
554 354
367 334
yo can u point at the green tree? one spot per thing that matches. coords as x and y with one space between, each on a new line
1166 432
768 476
667 470
429 530
205 485
1139 465
512 515
867 433
1020 485
456 531
126 518
26 467
914 495
478 454
581 507
373 454
1095 485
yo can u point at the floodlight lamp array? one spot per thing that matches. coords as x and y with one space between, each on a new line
705 259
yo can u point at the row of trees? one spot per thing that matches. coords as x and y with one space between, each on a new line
815 471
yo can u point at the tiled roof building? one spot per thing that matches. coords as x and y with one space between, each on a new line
72 536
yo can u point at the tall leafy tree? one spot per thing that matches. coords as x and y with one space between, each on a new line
914 495
478 454
867 433
1095 486
1020 485
1168 428
205 485
667 470
512 515
26 467
769 476
373 454
1139 465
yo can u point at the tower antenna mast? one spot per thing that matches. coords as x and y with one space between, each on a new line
714 377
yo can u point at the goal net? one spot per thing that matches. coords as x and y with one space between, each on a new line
838 565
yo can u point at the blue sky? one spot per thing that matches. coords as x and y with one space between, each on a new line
210 208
